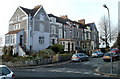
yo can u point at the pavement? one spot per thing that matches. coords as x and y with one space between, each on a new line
110 69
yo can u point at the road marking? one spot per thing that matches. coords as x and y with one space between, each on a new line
86 62
69 71
86 73
77 72
96 74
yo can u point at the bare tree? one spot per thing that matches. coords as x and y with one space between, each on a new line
105 33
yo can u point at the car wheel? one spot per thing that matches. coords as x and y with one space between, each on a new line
80 60
87 59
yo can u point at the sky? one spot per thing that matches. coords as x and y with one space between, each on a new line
90 10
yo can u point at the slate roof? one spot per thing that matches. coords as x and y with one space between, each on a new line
31 11
92 25
13 32
64 21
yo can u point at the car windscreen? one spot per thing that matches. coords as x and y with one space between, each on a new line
4 70
107 54
81 54
95 52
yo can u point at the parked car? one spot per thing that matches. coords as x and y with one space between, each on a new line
109 56
97 54
115 50
6 73
79 57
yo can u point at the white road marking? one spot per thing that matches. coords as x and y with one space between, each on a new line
86 73
77 72
86 62
96 74
69 71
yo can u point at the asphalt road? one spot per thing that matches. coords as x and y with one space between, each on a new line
71 69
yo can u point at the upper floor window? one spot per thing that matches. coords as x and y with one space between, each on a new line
60 33
42 17
65 34
53 30
17 18
41 27
16 26
78 34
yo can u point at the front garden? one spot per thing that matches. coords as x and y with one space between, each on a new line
54 54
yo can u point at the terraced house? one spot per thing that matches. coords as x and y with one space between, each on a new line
32 30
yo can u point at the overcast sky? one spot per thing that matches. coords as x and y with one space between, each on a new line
90 10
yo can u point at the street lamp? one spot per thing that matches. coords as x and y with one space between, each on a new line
111 67
109 20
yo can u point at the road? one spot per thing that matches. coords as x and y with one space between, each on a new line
71 69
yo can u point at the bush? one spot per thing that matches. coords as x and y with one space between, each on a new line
47 53
7 50
7 58
57 48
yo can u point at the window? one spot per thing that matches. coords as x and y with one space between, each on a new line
65 34
16 26
17 18
42 17
5 70
53 30
5 39
41 40
78 34
60 33
41 27
13 39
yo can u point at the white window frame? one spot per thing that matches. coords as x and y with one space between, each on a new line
41 40
41 17
60 33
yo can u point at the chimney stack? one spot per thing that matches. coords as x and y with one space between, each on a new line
82 21
64 17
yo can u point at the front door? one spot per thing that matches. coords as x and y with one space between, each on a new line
21 40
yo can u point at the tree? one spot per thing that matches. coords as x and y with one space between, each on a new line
57 48
106 35
118 41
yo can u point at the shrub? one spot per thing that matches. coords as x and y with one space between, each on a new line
47 53
8 50
57 48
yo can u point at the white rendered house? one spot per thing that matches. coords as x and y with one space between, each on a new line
29 30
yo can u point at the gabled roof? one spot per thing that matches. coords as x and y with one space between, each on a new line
92 25
13 32
31 11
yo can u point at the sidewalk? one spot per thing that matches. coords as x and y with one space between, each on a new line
106 69
38 66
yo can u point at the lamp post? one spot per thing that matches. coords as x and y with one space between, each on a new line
111 67
109 20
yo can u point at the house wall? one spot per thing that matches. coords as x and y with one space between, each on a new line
20 18
57 29
37 46
65 44
41 28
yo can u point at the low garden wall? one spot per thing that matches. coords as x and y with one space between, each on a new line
34 62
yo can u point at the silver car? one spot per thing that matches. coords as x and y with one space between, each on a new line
97 54
6 73
79 57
